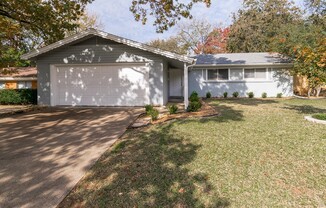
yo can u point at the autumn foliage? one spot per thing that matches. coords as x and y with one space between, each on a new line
216 42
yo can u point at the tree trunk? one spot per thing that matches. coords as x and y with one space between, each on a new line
318 89
309 91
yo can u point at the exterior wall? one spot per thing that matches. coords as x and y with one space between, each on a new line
279 83
100 51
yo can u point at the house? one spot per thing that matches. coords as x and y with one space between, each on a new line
18 78
94 68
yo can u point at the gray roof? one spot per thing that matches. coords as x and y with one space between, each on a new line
92 32
241 59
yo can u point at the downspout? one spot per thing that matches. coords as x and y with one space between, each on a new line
185 80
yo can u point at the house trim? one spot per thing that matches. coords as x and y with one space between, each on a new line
93 32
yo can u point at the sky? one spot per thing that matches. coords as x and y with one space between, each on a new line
118 20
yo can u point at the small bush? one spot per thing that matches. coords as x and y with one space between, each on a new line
264 95
251 94
235 94
154 114
194 97
173 109
18 96
194 106
208 95
225 94
279 95
148 108
321 116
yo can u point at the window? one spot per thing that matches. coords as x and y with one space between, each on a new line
24 85
236 74
255 73
218 74
249 73
2 85
260 73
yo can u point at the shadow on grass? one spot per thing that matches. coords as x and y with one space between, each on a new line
248 101
146 171
305 109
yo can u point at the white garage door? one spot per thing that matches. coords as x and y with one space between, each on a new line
100 85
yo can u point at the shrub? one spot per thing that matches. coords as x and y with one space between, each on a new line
154 114
173 109
251 94
321 116
225 94
194 106
18 96
235 94
194 97
208 95
279 95
148 108
264 95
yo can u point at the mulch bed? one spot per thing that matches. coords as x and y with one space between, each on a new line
205 111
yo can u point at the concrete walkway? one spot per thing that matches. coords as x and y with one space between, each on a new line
44 154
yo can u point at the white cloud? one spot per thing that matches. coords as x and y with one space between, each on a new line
118 20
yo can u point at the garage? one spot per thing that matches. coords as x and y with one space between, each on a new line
100 85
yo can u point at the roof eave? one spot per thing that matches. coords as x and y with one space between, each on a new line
245 65
37 52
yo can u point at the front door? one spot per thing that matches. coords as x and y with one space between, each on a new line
176 82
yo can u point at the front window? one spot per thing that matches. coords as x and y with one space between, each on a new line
218 74
255 73
24 85
2 85
236 74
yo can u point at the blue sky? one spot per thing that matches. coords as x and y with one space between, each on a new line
117 19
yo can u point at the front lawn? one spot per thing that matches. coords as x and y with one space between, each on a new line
258 153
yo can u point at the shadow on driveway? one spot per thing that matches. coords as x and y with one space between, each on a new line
44 154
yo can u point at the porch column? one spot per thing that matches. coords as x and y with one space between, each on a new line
185 88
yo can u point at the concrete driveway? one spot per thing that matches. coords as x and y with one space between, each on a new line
44 154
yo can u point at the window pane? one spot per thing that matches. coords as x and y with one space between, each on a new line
223 74
249 73
2 85
236 74
28 85
21 85
212 74
261 73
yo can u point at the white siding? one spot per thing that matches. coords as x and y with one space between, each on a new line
279 82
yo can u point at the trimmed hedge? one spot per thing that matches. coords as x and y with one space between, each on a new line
18 96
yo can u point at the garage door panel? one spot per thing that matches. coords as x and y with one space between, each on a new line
101 85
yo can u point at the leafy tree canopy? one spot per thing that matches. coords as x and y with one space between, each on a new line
171 44
257 22
165 12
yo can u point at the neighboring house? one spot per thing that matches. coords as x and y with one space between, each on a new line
18 78
94 68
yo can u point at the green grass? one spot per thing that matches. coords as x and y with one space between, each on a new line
321 116
258 153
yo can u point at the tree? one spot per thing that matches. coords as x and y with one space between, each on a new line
216 42
28 24
194 35
258 22
48 20
305 43
165 12
171 44
85 21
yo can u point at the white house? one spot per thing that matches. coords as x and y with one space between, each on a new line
94 68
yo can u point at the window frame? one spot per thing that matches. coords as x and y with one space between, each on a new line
268 70
217 79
